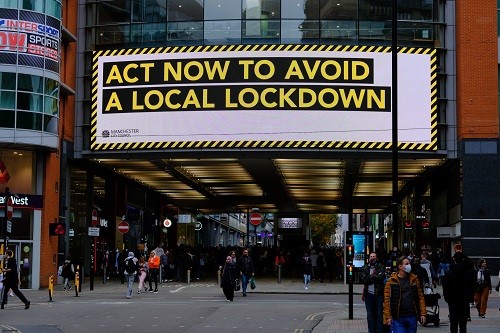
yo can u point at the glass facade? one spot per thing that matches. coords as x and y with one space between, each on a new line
133 23
35 98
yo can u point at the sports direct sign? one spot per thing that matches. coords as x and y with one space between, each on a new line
29 38
262 96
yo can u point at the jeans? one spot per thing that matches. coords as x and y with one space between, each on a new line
405 324
307 279
374 305
458 315
130 281
244 282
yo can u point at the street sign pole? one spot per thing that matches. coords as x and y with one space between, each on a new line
6 219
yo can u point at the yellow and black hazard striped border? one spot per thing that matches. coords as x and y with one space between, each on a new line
432 146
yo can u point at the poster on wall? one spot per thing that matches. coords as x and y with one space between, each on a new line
272 96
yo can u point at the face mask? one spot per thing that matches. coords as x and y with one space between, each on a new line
372 261
407 268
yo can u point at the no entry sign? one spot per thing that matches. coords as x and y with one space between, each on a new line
255 219
94 218
123 227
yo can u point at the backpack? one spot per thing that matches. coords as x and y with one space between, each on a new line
130 266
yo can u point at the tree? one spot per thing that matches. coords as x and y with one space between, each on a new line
322 227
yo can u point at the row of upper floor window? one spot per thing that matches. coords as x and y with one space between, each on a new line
130 11
267 32
49 7
29 92
29 121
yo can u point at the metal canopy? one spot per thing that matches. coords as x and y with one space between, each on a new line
271 182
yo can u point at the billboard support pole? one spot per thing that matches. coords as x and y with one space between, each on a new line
394 102
350 220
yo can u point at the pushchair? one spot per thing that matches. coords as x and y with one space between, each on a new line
432 307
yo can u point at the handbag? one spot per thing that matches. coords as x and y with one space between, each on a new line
252 283
237 285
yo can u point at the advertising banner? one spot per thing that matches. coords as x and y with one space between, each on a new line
272 96
29 39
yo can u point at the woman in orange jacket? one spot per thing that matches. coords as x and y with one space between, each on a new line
404 302
154 270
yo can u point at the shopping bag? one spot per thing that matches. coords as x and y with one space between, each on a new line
237 285
252 283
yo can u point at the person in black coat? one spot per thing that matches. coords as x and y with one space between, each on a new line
458 291
11 280
228 279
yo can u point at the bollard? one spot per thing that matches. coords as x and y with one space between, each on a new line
279 273
219 275
51 287
77 280
189 276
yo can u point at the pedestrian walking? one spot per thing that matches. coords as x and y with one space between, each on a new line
247 269
142 271
482 287
153 270
373 278
228 279
307 270
11 280
68 273
458 290
130 272
404 302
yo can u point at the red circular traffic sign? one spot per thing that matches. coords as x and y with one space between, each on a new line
255 219
94 218
123 227
167 223
10 208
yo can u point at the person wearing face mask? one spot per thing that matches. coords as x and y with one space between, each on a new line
404 302
373 277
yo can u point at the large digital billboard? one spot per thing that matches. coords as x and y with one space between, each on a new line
273 96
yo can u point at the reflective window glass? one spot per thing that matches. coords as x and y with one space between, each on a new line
375 11
184 10
299 32
222 9
338 30
50 124
29 120
300 9
155 11
114 11
185 32
31 83
7 99
51 106
338 9
53 8
9 4
36 5
30 101
8 81
373 30
261 9
51 87
222 32
262 29
8 118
